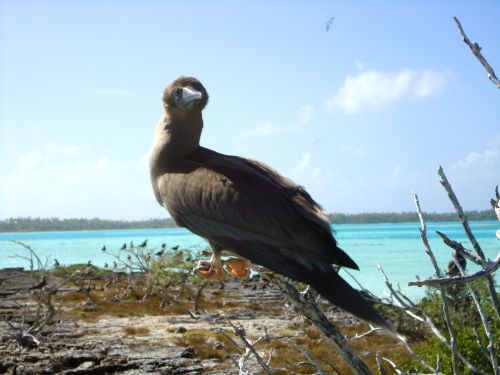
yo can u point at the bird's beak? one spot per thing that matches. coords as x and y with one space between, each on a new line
189 97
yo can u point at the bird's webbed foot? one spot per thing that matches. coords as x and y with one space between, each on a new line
210 269
237 267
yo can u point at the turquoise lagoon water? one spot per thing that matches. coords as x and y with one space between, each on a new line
397 247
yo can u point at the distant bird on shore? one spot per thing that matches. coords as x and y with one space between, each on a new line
40 284
106 265
452 269
144 243
176 247
160 253
329 23
124 246
163 245
244 207
103 248
56 263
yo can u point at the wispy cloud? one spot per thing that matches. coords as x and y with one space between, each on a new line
373 90
304 115
304 161
70 181
357 150
262 130
479 166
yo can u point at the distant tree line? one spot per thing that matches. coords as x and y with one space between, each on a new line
35 224
405 217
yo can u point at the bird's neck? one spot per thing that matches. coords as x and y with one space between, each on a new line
176 137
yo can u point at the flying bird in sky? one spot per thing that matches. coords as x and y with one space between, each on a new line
244 207
329 23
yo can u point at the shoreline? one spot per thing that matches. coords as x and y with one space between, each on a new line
143 336
28 224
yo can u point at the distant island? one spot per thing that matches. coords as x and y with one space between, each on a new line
35 224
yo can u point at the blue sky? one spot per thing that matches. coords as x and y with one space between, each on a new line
360 115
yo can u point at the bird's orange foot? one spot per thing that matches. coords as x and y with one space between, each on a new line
209 270
238 268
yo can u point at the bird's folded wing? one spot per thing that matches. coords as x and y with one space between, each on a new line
219 196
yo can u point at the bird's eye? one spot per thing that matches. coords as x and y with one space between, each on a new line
178 92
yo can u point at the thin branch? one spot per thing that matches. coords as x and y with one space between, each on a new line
380 366
484 320
241 333
446 312
479 341
458 247
476 50
490 268
463 219
372 329
307 306
309 358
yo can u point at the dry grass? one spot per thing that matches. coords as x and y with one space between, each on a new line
286 358
203 342
136 331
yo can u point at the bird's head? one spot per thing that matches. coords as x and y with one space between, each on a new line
185 95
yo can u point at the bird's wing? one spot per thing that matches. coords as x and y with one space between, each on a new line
233 200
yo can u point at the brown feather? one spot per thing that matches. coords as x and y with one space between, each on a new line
245 206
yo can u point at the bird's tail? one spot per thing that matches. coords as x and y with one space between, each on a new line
336 290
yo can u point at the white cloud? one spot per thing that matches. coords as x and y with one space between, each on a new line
67 181
305 114
29 160
354 150
478 166
375 90
304 161
263 130
359 65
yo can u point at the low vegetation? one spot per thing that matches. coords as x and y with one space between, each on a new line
30 224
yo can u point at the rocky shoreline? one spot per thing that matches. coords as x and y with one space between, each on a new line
83 338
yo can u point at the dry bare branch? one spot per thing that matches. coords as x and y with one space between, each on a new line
250 349
446 312
380 366
484 320
476 50
309 358
372 330
491 267
307 306
458 247
465 224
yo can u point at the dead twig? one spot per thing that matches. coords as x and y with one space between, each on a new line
309 358
465 224
476 51
307 306
372 330
484 320
491 266
240 331
446 312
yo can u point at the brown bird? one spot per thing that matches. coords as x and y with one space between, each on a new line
40 284
452 270
245 207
